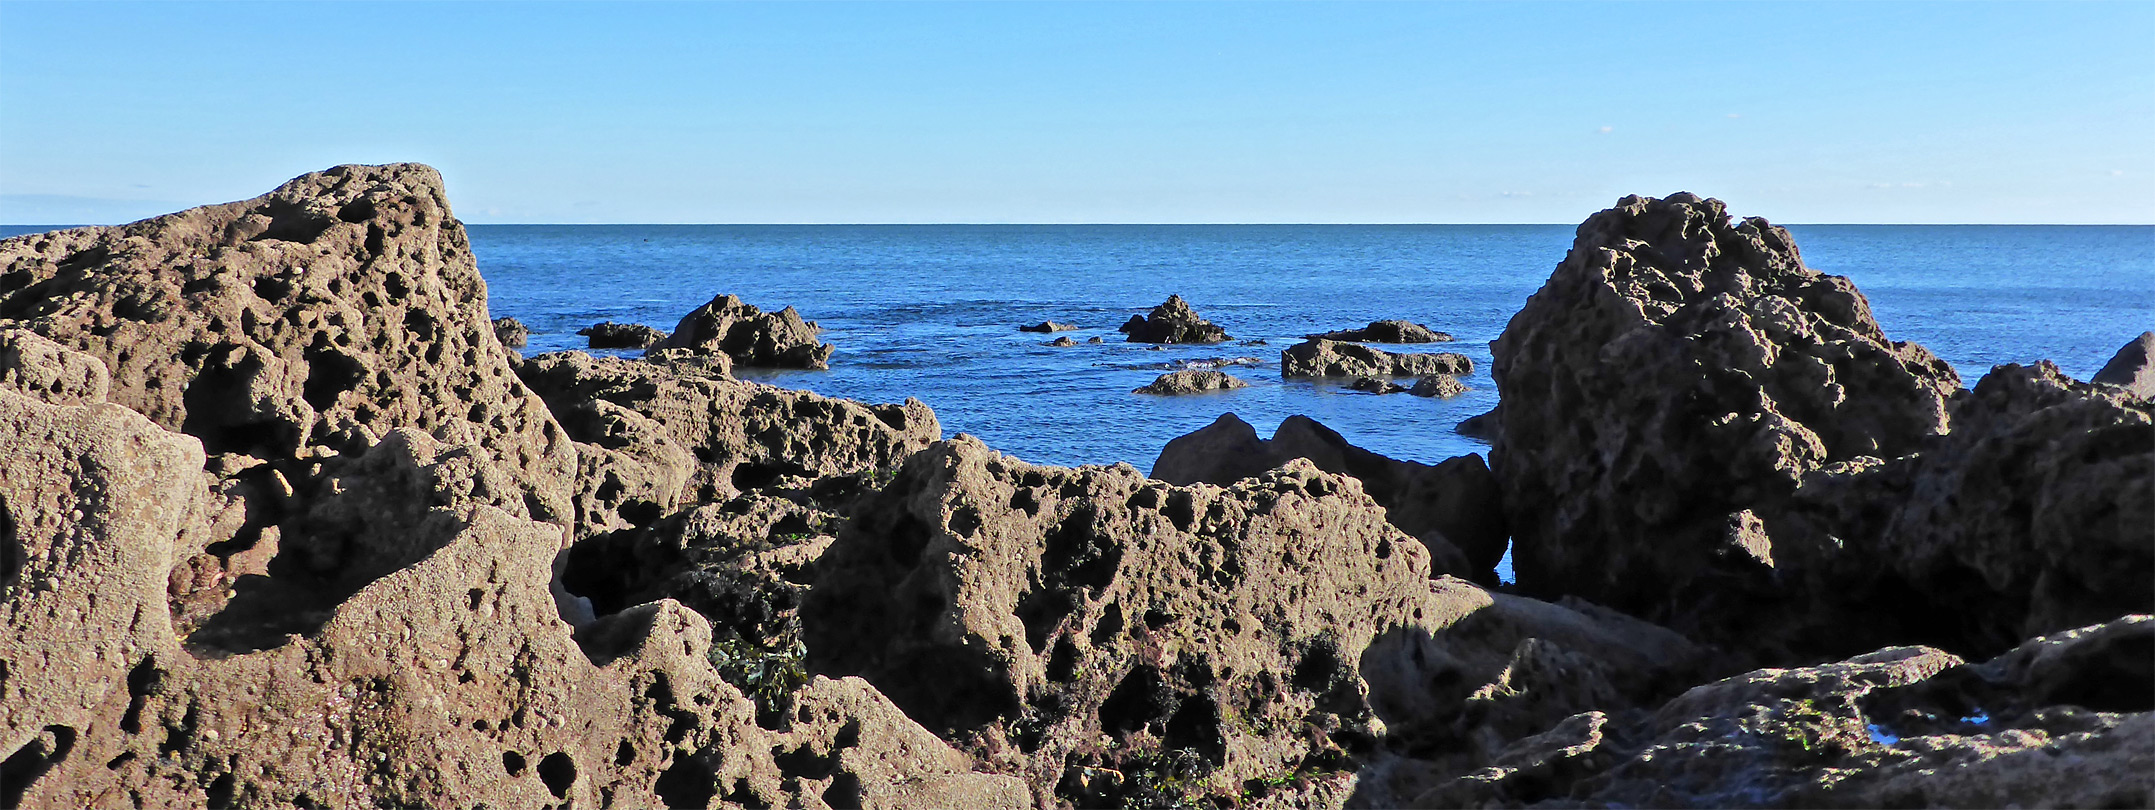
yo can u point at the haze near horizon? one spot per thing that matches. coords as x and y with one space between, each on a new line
1062 113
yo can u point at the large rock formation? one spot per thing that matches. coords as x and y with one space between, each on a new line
2132 368
340 306
689 432
1173 322
749 335
1450 506
1673 381
1386 332
1331 358
1191 382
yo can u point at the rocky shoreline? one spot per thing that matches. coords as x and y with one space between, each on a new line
287 522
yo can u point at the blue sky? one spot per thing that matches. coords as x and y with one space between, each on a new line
1025 112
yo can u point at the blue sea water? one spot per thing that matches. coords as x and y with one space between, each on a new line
931 311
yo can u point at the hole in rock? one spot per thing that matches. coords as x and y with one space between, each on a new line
359 210
844 792
512 763
12 555
1142 698
753 475
1077 554
291 222
22 768
746 796
686 783
330 373
558 771
220 791
624 754
1196 726
1041 611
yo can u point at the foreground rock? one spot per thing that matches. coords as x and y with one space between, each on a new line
1173 322
2132 367
1191 382
610 335
1331 358
1386 332
665 435
1451 507
750 336
1668 388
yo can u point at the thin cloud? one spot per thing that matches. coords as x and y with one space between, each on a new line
1607 130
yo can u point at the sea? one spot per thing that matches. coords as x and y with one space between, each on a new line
931 311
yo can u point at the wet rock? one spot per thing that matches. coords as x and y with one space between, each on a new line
1173 322
1386 332
1483 426
1048 326
739 435
511 332
1442 386
2130 368
1331 358
1455 501
1191 382
1667 388
1373 385
1033 613
338 307
750 336
1202 363
1062 341
610 335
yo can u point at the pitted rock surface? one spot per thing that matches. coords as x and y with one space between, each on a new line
1673 381
1191 382
1442 386
1386 332
345 302
749 335
1452 504
1331 358
1173 322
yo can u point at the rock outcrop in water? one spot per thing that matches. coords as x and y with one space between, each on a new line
1173 322
1048 326
1441 386
1331 358
2132 368
750 336
610 335
1191 382
284 523
512 333
1386 332
1451 507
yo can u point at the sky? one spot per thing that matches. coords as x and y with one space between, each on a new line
1092 113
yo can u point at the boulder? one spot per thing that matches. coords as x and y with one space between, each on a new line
1063 341
1173 322
1048 326
2130 368
312 319
1191 382
1443 386
1386 332
1483 426
1095 339
1668 387
511 332
610 335
736 435
1455 501
750 336
1331 358
1373 385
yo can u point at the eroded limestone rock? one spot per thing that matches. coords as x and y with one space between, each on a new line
749 335
1191 382
1332 358
1173 322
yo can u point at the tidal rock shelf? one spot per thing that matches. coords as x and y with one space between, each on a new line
286 521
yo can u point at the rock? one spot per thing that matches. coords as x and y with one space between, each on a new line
1455 500
749 335
1483 426
1444 386
1191 382
1671 384
739 435
444 679
1202 363
1331 358
511 332
2036 514
1386 332
50 372
338 307
1376 386
1062 341
1173 322
2130 367
1048 326
610 335
1025 612
1095 339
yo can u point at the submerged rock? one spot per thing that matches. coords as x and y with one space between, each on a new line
1048 326
610 335
750 336
1376 386
1173 322
1386 332
1191 382
1331 358
1453 504
1443 386
511 332
2131 368
1063 341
